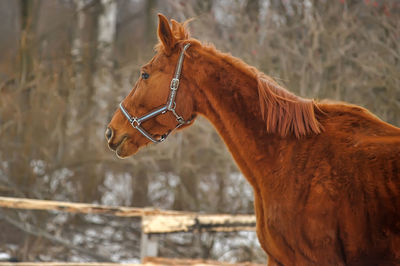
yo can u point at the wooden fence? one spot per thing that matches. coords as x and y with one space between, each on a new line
154 222
147 262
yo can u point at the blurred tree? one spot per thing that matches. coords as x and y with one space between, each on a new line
9 15
252 11
87 108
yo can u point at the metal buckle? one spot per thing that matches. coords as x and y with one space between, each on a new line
174 84
180 120
133 121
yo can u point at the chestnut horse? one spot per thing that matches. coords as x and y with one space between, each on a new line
326 176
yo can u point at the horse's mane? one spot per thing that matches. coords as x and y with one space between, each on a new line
283 112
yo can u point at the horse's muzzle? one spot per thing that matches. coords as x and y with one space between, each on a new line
110 137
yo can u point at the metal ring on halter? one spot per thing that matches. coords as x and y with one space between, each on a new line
170 105
133 122
174 84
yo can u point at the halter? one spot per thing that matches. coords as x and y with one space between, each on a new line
169 106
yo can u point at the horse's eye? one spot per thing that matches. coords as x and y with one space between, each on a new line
145 75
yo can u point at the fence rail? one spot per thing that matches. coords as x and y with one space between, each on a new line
149 261
160 224
47 205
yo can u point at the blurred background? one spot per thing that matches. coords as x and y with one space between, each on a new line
66 64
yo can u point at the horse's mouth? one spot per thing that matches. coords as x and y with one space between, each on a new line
120 153
116 145
119 149
126 148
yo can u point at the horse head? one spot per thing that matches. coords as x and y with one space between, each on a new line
155 107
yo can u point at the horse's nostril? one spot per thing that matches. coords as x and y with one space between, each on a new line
108 133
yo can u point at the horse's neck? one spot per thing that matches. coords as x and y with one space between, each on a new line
228 97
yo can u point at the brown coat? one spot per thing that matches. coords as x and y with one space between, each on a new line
326 176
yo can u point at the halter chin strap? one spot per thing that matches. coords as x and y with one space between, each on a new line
170 106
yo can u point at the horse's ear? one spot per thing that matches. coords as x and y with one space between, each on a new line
175 26
179 30
165 34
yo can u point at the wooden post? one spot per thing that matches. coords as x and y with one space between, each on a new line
148 246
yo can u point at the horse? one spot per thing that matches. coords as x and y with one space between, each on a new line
325 175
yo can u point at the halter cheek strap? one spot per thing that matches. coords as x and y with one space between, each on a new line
169 106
